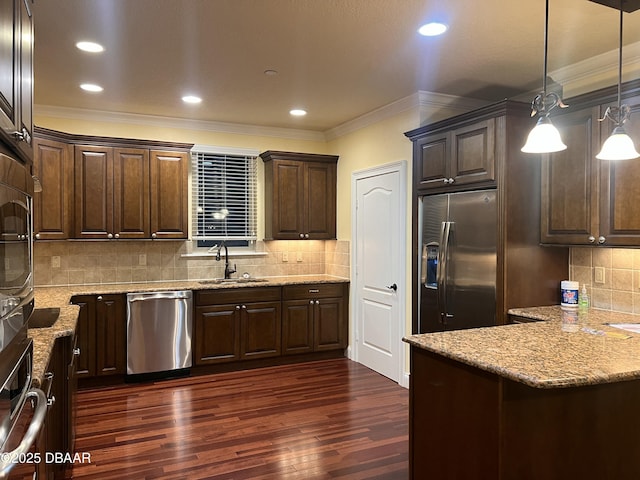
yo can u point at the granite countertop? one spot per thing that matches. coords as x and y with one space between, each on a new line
60 297
567 348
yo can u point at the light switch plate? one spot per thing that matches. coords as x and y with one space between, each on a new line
142 259
599 275
285 256
55 261
299 257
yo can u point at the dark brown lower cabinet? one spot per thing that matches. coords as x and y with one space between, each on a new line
237 324
101 332
58 433
314 317
230 325
465 423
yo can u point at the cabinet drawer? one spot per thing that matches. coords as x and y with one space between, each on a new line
320 290
224 296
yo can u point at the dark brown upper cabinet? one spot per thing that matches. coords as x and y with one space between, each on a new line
110 188
169 194
53 211
300 196
569 212
112 192
16 77
586 201
619 187
457 157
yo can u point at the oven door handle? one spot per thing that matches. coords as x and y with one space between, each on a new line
32 432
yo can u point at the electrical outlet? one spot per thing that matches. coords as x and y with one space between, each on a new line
285 256
142 259
599 275
55 261
299 257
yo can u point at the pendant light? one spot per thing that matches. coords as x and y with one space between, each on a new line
619 145
544 138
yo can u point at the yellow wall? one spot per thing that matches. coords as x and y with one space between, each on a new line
378 144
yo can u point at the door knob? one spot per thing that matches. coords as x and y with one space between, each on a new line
393 287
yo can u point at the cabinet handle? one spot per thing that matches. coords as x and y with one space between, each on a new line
37 236
302 235
76 351
601 239
451 180
306 235
237 307
314 290
592 239
244 307
117 235
51 400
310 302
22 136
99 298
110 235
317 302
154 235
48 376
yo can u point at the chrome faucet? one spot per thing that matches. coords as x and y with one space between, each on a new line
227 269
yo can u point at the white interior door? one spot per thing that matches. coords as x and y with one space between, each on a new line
379 242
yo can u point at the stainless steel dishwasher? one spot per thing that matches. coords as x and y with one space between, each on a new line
159 328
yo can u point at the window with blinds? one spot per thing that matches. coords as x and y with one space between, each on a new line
224 197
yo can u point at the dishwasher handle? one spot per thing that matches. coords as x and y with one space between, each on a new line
137 297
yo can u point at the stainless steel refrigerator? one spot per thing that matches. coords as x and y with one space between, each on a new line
459 259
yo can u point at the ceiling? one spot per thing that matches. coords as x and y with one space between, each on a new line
338 59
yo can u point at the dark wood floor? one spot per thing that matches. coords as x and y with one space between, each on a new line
332 419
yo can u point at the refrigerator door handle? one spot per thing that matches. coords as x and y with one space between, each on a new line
442 273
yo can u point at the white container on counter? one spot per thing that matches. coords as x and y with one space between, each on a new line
569 293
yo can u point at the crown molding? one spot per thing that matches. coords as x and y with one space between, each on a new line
171 122
451 102
597 66
418 101
377 115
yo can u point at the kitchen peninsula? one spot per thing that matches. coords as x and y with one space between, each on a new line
552 399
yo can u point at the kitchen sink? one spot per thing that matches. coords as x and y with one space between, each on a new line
43 317
218 281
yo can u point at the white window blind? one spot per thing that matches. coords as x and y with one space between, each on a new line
224 196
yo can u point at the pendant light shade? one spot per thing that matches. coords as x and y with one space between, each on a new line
619 145
544 138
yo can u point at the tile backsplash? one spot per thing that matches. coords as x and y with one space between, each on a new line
64 263
612 276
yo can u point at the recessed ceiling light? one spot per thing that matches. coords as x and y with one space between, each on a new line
271 73
91 87
191 99
92 47
432 29
298 112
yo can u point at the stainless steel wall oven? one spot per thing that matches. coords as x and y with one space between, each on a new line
16 248
22 408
